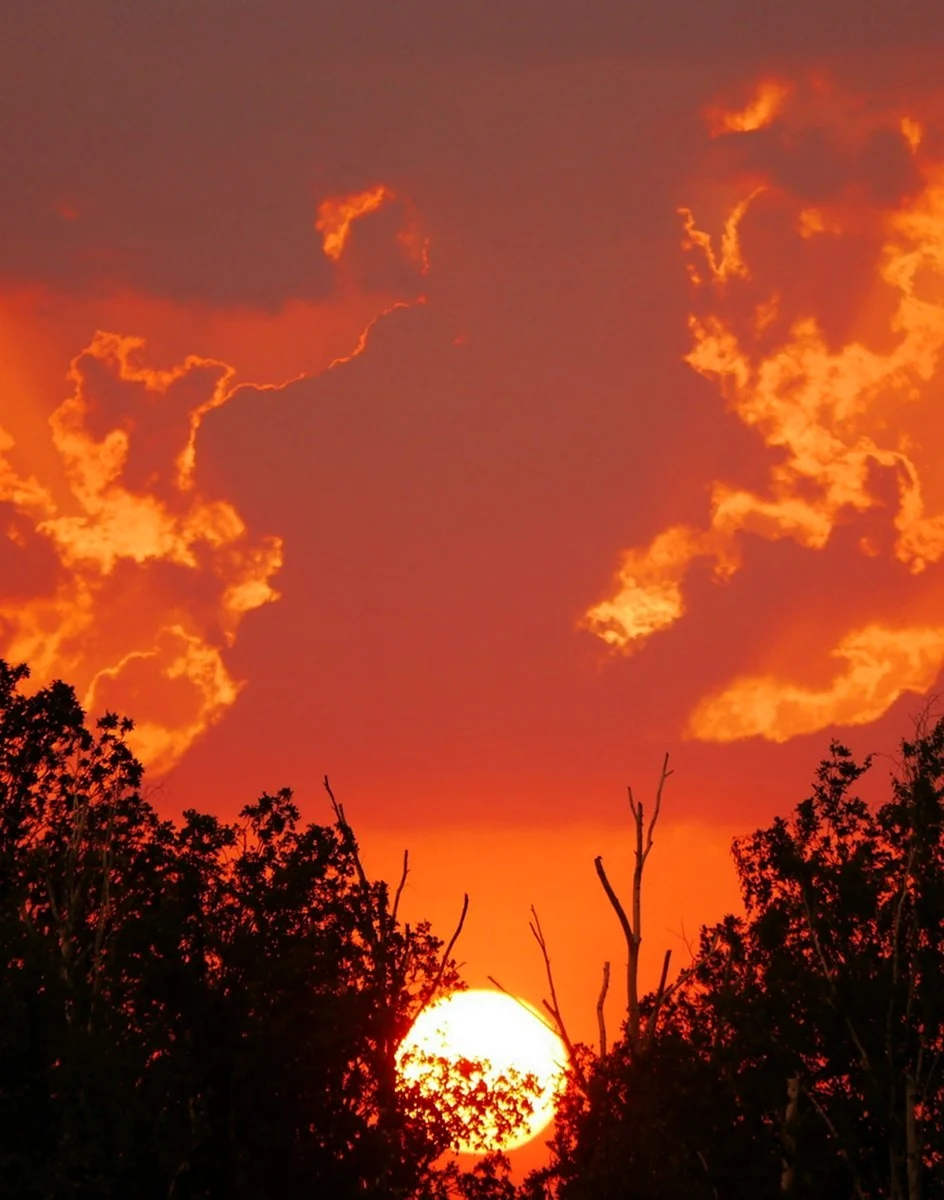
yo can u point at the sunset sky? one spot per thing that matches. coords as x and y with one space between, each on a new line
473 401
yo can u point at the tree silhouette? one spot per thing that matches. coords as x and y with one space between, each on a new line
202 1009
839 962
802 1055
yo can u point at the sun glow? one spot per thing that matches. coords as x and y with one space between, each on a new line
489 1059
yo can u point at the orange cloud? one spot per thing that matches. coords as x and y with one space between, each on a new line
650 597
110 534
843 423
337 212
764 107
130 578
880 665
729 262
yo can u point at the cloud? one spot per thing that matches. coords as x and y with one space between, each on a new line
841 409
114 536
128 575
760 111
337 212
650 595
880 666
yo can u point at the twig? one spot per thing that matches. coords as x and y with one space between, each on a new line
399 891
348 833
686 941
375 933
665 773
532 1012
445 958
553 1007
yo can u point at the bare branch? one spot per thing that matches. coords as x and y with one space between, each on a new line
632 801
601 1019
687 972
553 1007
517 999
338 810
687 943
613 898
375 931
348 832
658 806
660 996
631 935
400 885
445 958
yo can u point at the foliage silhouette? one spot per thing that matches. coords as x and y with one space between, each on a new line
202 1009
802 1055
205 1009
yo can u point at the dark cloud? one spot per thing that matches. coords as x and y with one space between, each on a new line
888 169
179 148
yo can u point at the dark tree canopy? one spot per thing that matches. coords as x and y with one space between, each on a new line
203 1010
802 1056
198 1009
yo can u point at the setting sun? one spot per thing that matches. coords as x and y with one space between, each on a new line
420 424
478 1037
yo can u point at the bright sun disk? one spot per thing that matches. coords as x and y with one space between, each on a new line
507 1036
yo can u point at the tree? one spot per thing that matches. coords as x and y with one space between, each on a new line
841 958
202 1009
631 924
801 1056
611 1137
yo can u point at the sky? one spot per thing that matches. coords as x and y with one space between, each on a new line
472 403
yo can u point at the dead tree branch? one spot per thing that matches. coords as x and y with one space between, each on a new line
374 929
517 999
659 998
400 886
552 1006
434 988
601 1018
632 927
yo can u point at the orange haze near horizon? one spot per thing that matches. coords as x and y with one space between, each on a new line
475 422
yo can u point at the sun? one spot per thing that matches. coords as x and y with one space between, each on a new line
490 1060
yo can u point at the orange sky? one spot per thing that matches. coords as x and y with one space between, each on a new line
473 416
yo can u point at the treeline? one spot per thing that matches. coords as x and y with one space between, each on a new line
801 1054
203 1009
197 1009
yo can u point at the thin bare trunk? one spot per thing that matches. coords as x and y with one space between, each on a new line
632 928
601 1018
